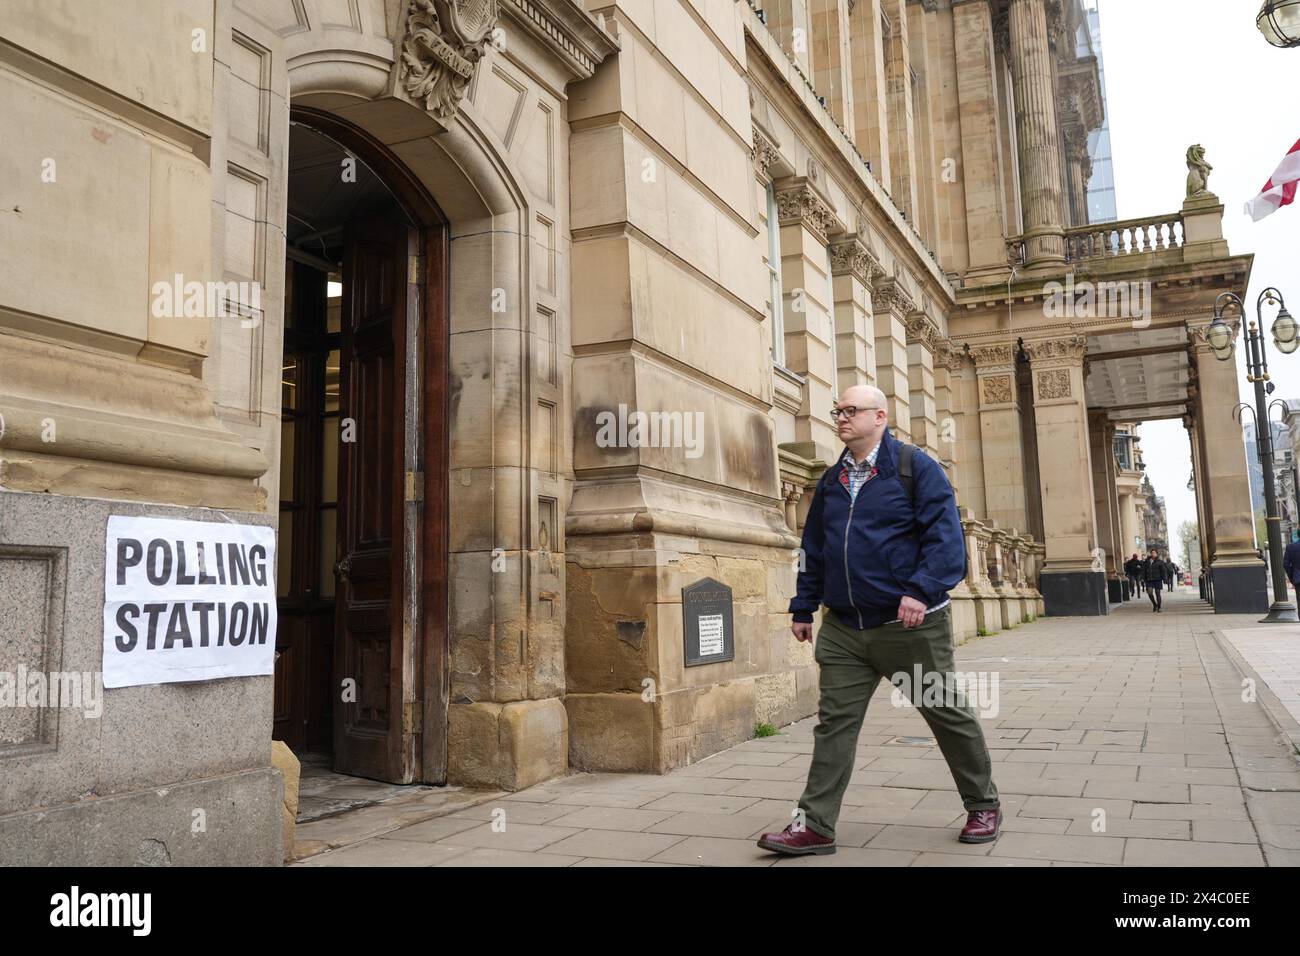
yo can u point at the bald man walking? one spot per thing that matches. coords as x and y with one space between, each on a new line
883 546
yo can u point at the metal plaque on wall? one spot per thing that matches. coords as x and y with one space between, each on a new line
707 622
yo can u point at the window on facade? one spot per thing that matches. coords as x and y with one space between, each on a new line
774 279
1122 451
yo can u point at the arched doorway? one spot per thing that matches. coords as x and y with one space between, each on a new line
361 662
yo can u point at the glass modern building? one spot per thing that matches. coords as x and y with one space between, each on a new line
1101 187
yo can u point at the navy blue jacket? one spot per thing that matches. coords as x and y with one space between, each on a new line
1291 561
861 557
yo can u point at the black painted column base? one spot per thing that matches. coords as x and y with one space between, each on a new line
1240 589
1074 593
1115 590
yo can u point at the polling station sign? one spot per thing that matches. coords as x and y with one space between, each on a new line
187 601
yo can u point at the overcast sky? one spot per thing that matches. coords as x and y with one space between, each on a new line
1180 72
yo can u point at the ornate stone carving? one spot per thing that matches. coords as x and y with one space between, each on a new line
1067 350
890 295
854 256
921 329
801 204
1054 383
444 41
764 151
995 390
988 356
1198 172
947 355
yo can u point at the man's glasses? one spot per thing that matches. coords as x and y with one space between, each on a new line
848 411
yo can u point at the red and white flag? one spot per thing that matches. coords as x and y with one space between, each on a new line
1280 189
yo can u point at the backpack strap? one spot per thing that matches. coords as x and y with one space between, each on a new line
905 455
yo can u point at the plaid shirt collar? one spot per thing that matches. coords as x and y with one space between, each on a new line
855 473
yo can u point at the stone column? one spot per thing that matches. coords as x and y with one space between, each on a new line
1036 134
789 22
978 243
922 339
1004 473
870 125
1101 432
830 57
1198 487
1079 171
892 303
968 456
853 267
1240 584
805 220
1069 582
902 142
948 363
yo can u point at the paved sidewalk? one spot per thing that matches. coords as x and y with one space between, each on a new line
1118 741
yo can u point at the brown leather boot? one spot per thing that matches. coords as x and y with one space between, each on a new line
981 826
794 842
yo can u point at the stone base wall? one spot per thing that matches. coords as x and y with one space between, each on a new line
80 788
632 703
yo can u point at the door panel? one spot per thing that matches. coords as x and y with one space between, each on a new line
369 737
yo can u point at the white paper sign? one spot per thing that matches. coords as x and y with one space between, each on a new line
187 601
711 634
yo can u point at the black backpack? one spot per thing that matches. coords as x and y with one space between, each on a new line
905 456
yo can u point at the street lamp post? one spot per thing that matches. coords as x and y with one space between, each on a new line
1286 337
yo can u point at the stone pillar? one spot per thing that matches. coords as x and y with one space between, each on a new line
830 56
1240 584
1078 166
789 21
968 456
1198 486
1101 432
853 267
922 338
948 363
980 235
902 142
870 126
805 220
1036 135
892 303
1004 474
1069 582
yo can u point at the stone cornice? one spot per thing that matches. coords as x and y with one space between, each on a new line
579 40
797 202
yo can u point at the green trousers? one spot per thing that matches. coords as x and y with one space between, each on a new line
852 662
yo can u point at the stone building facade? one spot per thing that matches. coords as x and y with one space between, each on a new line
580 285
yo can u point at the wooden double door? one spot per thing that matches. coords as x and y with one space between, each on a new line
360 669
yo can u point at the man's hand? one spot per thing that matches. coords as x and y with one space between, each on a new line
802 632
911 611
